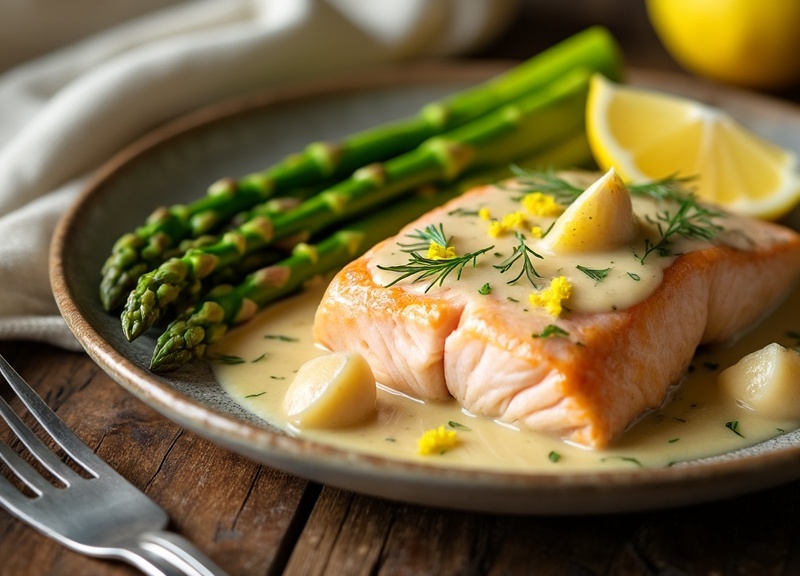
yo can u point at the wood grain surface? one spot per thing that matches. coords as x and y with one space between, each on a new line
253 520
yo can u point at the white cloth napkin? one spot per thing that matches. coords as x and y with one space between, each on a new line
63 114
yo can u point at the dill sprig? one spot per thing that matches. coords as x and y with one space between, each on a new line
669 188
431 234
423 268
690 220
546 182
521 250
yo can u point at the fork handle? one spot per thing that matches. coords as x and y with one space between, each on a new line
168 554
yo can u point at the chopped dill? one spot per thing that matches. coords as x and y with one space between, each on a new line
457 426
255 395
552 330
624 459
733 426
227 359
521 251
485 289
554 456
264 356
634 276
594 274
281 338
462 212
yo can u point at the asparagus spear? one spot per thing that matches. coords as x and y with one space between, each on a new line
513 131
148 301
141 250
187 337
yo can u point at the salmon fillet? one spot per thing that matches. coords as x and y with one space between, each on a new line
586 387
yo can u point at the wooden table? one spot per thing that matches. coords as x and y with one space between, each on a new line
254 520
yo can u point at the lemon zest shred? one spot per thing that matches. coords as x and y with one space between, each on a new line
438 252
540 204
537 232
495 228
437 441
484 214
513 220
552 297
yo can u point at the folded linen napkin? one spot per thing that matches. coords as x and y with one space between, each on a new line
63 114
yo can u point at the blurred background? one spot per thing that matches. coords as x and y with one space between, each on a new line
24 33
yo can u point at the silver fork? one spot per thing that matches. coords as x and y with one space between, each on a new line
103 515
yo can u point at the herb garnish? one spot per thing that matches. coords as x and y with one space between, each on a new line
431 234
521 250
624 459
458 426
552 330
485 289
437 268
226 359
690 220
634 276
554 456
281 338
255 395
594 274
547 182
462 212
733 426
424 268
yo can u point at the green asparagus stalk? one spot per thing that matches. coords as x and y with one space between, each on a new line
187 337
513 131
140 251
146 304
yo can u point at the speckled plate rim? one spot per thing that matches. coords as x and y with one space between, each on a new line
486 491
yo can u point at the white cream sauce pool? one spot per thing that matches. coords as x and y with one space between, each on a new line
256 363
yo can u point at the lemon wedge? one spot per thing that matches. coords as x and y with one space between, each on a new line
599 219
753 44
331 391
647 135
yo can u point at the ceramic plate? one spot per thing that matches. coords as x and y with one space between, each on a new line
176 164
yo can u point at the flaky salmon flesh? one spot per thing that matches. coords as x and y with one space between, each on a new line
602 370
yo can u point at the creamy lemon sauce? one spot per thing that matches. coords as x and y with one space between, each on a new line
628 274
262 357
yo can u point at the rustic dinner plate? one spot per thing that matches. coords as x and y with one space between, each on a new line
177 162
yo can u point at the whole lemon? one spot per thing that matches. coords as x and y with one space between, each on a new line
751 43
